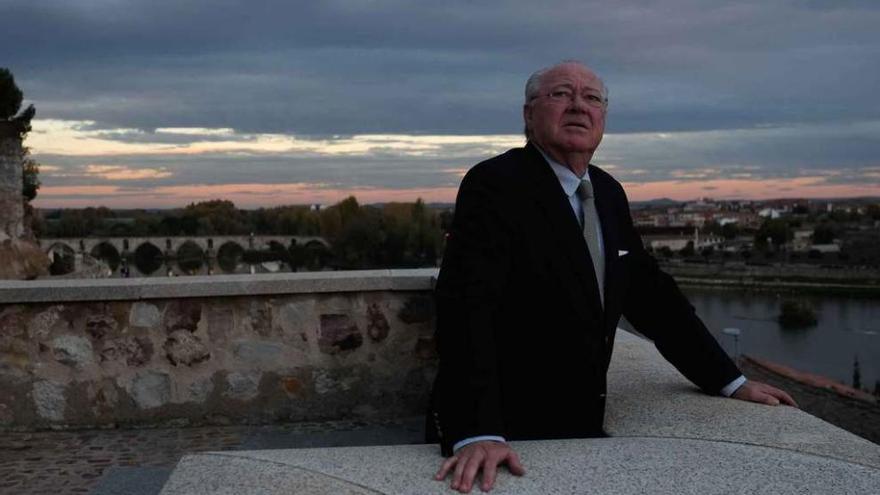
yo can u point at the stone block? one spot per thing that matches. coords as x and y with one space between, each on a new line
183 314
259 318
220 318
293 386
258 352
42 323
329 381
133 351
144 315
338 333
184 348
417 309
49 400
16 362
73 351
12 322
377 324
21 258
104 397
151 389
199 390
296 319
100 325
243 385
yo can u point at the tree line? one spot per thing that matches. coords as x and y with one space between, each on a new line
401 235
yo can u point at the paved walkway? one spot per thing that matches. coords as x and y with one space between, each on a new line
137 462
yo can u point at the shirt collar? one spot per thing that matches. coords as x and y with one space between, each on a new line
567 179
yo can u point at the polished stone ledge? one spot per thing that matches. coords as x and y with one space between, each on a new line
128 289
666 438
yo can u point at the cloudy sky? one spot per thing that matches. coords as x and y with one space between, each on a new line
159 103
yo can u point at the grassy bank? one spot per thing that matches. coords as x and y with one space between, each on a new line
861 282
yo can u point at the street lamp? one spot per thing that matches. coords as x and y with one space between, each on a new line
733 332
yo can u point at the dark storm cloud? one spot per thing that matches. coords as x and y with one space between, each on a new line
452 67
747 89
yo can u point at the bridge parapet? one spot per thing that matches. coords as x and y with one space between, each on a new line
170 245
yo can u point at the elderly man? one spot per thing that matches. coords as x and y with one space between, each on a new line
542 260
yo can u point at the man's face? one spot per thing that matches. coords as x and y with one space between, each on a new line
564 126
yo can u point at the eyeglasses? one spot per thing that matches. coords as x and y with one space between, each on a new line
565 95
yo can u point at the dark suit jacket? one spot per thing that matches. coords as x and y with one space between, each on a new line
523 339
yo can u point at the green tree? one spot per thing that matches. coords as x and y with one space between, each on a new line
10 95
730 230
10 103
30 179
214 217
775 229
823 234
688 250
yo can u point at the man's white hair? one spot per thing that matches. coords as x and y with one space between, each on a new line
533 84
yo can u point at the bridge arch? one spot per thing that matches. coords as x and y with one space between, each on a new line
147 257
63 258
229 254
190 257
106 252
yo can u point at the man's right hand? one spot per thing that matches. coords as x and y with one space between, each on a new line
482 456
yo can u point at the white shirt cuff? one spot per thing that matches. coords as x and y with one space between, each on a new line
466 441
733 386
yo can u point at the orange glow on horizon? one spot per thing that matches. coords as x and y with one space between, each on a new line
265 195
243 195
801 187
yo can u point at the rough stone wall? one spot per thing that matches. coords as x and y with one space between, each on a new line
11 205
19 256
215 360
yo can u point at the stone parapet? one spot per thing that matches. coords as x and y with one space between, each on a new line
217 349
666 438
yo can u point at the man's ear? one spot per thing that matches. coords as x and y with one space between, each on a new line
527 117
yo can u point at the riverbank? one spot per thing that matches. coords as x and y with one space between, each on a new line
858 281
856 415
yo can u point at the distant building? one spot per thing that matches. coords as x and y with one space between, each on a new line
771 213
802 240
825 248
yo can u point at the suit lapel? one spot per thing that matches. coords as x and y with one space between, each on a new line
575 267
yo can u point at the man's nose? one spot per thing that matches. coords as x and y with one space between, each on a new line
577 103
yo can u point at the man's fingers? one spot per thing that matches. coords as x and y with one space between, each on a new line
459 471
762 393
490 470
785 398
445 467
470 472
514 465
466 460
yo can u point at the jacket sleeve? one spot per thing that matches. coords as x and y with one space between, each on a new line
475 269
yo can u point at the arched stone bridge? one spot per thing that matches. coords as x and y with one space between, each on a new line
170 245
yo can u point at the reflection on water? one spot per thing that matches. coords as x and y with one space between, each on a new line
847 329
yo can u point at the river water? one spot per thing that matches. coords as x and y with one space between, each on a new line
847 329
